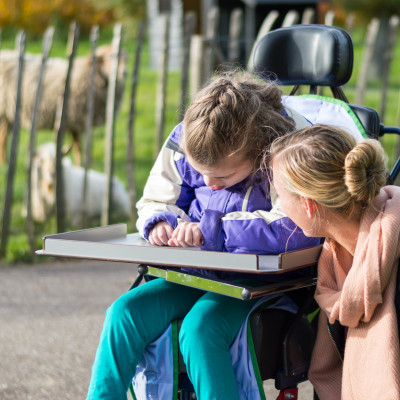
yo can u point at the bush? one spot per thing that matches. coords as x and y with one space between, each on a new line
34 16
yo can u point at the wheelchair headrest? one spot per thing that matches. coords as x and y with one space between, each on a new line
317 55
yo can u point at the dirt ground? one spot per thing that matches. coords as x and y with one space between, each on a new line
51 316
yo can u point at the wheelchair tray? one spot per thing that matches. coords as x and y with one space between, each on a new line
112 243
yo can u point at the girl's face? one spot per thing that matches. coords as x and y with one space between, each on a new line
295 207
226 173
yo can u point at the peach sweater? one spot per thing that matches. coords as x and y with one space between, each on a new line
359 292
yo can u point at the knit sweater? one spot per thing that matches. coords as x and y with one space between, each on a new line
359 292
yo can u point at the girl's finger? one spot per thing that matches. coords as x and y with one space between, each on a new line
197 237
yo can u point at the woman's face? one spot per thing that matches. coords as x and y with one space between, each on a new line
228 172
292 205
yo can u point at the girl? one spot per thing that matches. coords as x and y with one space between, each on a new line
203 191
331 186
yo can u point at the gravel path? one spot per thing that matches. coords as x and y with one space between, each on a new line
50 320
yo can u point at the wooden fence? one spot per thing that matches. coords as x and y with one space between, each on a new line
200 55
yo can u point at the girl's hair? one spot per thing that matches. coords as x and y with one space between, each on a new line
327 165
235 112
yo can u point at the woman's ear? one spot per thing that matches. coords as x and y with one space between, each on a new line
309 206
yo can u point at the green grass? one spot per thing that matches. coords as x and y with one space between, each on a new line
145 131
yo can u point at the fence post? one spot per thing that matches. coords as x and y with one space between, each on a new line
387 60
350 23
372 32
130 159
264 29
190 25
94 37
329 18
308 16
60 206
110 124
8 199
162 85
46 46
249 27
196 64
235 30
210 51
291 18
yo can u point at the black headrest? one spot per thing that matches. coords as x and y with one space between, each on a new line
318 55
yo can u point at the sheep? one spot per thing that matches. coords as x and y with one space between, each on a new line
52 91
43 196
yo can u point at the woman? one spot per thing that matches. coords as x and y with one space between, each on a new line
331 186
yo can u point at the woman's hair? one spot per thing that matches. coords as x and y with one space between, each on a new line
327 165
235 112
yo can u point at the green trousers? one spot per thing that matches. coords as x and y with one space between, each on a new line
211 323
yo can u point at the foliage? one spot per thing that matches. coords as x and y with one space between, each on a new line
370 8
133 8
34 16
128 12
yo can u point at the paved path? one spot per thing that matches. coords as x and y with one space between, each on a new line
50 320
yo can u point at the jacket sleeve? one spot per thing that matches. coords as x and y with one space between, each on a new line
258 232
164 197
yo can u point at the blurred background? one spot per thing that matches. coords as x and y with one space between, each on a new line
89 90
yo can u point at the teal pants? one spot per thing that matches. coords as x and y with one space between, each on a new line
211 323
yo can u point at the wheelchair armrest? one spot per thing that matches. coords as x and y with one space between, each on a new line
296 355
268 327
283 341
300 337
369 119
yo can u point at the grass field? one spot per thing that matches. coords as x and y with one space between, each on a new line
145 131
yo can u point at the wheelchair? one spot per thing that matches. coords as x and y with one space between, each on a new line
316 56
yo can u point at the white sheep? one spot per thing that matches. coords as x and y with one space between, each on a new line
52 91
43 196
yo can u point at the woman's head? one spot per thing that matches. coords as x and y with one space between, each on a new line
234 114
326 165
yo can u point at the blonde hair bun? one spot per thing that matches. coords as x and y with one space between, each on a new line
365 170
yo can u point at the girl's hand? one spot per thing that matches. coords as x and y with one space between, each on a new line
187 234
160 234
